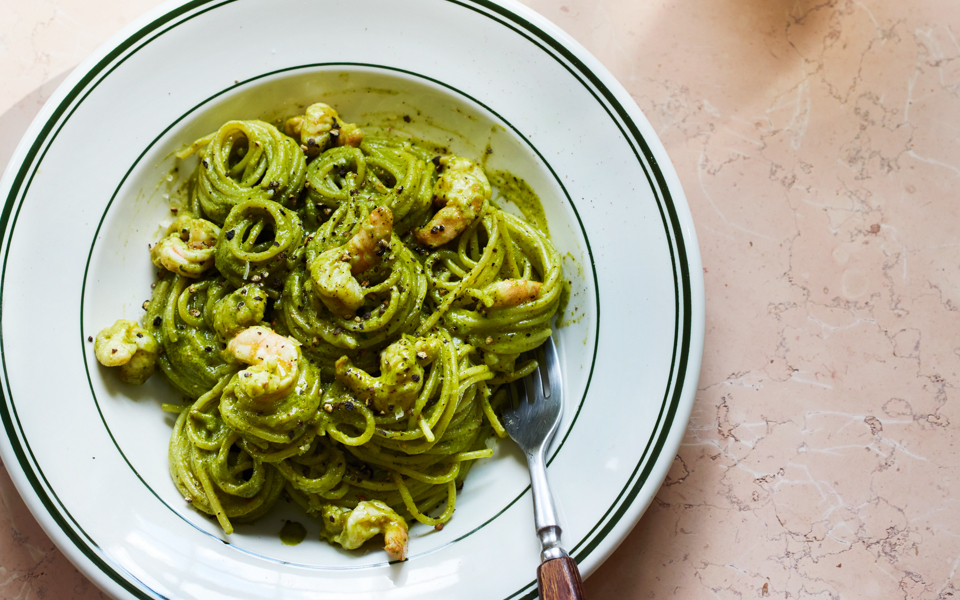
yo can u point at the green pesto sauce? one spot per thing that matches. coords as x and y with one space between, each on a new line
575 315
564 301
292 533
430 146
519 192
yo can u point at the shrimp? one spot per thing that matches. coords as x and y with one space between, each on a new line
274 361
351 528
129 347
319 126
401 374
368 245
461 191
511 292
333 271
188 248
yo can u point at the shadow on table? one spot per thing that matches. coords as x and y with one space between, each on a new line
14 122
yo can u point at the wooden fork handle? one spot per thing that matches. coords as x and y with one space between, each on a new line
559 579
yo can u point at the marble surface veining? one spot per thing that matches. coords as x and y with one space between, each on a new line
818 143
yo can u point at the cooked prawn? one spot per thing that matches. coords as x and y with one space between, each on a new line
188 248
127 346
273 360
511 292
461 191
351 528
319 127
401 374
333 271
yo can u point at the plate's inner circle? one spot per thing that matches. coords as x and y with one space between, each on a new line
379 100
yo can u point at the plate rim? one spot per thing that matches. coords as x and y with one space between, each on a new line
688 332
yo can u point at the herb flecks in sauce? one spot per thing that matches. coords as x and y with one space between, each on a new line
520 193
565 316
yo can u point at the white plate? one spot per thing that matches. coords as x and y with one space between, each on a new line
84 195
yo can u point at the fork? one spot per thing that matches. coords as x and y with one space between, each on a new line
532 424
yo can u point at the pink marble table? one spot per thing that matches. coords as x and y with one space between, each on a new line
818 143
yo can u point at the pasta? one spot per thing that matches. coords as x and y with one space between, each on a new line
345 314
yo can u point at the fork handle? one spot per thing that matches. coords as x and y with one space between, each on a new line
544 510
559 579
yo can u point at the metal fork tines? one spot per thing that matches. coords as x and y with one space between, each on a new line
532 424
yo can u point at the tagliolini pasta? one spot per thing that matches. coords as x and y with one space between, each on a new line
345 313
